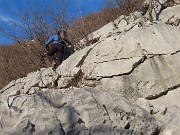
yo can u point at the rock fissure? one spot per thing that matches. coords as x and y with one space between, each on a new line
131 27
175 52
162 54
152 86
1 125
16 95
113 60
135 65
15 108
111 121
55 84
152 97
80 121
75 81
3 90
80 63
61 126
119 52
30 127
95 101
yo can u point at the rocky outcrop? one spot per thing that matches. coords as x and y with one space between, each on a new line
171 16
81 111
126 58
158 7
120 84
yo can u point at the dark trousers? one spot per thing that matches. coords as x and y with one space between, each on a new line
58 50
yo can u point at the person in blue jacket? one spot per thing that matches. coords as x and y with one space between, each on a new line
59 40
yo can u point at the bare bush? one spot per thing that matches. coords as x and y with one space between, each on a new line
128 6
16 63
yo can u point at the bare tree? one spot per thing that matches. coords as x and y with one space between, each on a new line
37 23
128 6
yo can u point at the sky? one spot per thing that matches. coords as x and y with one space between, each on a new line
10 8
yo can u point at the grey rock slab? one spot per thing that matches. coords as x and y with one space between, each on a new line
157 75
153 39
73 64
166 110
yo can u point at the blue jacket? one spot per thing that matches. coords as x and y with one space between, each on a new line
53 39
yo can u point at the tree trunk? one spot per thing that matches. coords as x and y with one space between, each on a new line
150 11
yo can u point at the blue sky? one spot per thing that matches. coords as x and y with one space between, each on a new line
10 8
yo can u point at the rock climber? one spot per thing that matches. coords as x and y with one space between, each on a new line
59 41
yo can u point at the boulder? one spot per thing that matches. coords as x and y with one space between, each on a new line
171 15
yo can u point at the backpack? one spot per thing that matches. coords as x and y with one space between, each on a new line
62 36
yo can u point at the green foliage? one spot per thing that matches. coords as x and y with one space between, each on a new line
152 112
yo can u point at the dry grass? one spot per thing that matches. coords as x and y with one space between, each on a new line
17 61
81 28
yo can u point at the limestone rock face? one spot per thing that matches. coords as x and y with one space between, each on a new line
142 60
166 110
171 15
127 82
82 111
160 6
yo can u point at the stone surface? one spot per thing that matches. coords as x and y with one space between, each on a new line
82 111
166 110
169 12
171 15
123 62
